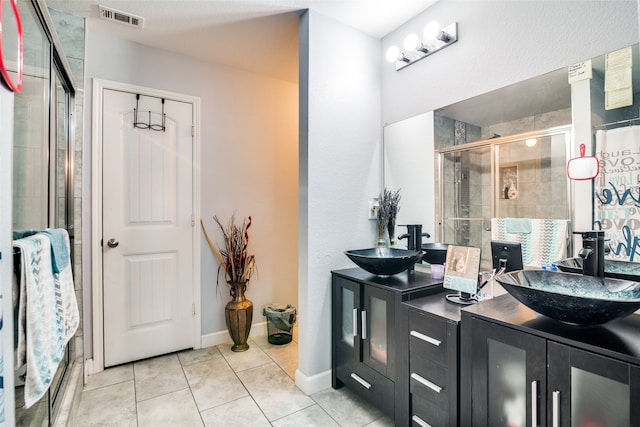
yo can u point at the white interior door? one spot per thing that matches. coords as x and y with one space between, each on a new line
147 227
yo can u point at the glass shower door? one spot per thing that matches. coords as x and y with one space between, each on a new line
467 197
521 176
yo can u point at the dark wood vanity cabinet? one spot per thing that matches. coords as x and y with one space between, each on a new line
433 361
369 350
520 368
362 342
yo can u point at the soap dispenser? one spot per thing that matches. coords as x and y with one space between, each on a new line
513 192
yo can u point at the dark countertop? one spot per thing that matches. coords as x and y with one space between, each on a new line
619 339
407 281
437 305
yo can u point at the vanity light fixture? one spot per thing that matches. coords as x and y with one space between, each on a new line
416 49
531 142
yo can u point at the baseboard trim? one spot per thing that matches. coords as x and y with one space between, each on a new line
88 370
314 383
221 337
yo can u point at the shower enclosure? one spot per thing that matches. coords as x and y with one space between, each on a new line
42 169
520 176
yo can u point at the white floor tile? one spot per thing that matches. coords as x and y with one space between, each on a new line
347 408
213 383
110 376
158 376
242 412
113 405
242 360
189 357
215 386
173 409
274 392
313 416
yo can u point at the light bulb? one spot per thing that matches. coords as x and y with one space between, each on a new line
531 142
411 42
393 53
431 30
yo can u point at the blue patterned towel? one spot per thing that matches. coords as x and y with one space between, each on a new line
49 314
546 243
59 248
518 225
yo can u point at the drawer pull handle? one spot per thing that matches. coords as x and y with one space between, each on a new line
422 423
426 382
362 382
426 338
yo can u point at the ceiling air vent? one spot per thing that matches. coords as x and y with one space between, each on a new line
121 17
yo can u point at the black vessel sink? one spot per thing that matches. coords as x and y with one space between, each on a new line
573 298
384 261
435 253
612 268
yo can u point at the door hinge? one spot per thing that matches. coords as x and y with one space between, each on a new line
193 310
193 130
193 220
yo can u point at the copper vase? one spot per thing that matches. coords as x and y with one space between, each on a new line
239 313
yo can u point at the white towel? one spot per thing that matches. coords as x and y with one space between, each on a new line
50 312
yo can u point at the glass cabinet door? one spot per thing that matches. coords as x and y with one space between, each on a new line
349 315
378 330
508 380
586 389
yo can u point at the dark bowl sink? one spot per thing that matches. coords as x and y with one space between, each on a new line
612 268
573 298
384 261
435 253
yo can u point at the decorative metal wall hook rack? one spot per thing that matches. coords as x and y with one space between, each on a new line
141 125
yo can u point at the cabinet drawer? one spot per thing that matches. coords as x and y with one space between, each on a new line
432 372
370 384
428 337
426 413
436 393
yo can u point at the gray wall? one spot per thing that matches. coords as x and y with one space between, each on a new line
248 162
340 171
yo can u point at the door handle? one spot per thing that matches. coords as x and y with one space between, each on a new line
534 403
112 243
355 322
555 417
363 316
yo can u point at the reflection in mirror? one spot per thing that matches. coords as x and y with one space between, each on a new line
409 167
540 103
31 132
617 146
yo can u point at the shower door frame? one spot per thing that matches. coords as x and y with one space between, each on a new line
493 143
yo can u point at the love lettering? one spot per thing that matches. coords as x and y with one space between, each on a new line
614 196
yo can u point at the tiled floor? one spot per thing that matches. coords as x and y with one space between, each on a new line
217 387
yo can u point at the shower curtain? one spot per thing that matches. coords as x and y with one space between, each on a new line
617 191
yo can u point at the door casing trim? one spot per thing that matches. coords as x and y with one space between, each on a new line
99 85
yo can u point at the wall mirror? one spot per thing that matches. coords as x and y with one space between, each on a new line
538 104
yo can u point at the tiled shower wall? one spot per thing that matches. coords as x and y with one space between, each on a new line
540 169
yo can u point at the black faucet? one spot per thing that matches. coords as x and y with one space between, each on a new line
415 235
592 253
